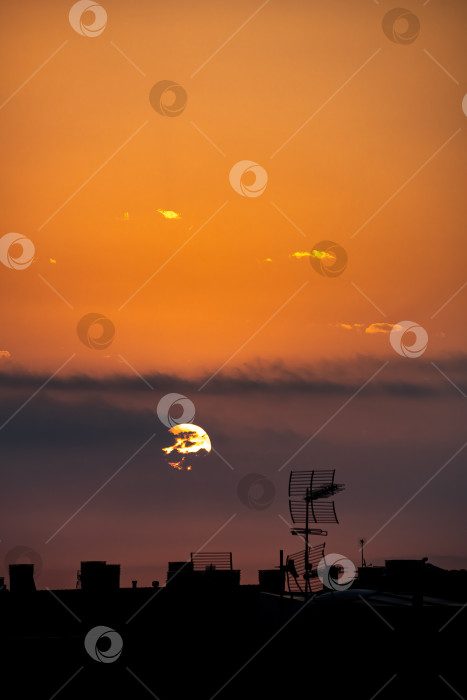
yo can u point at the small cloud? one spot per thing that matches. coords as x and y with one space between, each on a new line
320 254
124 217
348 326
380 328
169 214
300 254
371 329
5 354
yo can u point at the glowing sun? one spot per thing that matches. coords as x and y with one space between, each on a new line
190 442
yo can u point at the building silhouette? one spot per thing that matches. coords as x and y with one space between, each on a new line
22 578
98 576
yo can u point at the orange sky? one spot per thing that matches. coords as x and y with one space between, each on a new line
250 97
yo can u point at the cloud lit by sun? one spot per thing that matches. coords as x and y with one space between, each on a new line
382 327
190 442
320 254
371 329
169 214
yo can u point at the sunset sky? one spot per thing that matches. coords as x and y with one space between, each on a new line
134 217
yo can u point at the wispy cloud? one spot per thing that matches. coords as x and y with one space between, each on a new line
320 254
325 377
380 327
371 329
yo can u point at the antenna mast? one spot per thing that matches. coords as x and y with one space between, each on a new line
306 490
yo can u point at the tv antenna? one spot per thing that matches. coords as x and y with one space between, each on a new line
301 566
306 491
362 544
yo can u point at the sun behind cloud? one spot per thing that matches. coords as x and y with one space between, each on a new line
191 442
